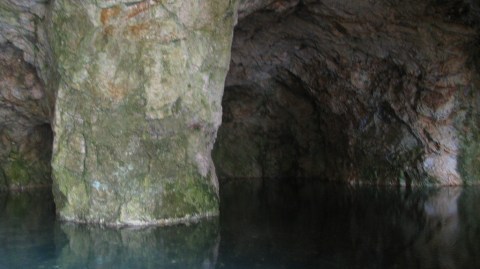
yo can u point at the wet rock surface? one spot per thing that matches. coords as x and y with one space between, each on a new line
389 92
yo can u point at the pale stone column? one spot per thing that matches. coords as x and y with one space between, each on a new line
138 107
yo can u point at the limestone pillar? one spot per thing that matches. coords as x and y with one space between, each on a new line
138 107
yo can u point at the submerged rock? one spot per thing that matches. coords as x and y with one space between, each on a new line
138 107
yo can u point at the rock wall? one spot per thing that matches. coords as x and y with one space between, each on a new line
393 87
25 103
25 135
137 109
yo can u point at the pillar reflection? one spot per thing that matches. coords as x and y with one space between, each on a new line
193 246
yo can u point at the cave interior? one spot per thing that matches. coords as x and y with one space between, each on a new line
376 92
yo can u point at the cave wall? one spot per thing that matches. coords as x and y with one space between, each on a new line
394 86
25 103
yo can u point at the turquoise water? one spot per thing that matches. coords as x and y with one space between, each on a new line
263 224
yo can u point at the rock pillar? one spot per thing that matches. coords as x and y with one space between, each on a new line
138 107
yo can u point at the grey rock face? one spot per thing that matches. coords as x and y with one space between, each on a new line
138 107
394 89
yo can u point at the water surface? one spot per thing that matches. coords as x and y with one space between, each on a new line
263 224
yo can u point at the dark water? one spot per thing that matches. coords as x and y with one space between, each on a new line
267 224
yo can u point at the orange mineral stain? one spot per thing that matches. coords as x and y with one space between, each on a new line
117 92
138 29
108 13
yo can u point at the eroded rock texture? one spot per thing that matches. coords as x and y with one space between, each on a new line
25 104
21 24
383 92
138 107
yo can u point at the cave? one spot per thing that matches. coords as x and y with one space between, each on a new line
320 89
235 132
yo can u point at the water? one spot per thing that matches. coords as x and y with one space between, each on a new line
263 224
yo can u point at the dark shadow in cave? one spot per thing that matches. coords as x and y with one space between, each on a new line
273 125
271 131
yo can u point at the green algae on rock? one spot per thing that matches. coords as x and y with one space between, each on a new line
138 108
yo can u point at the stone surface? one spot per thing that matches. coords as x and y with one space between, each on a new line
22 25
138 106
394 87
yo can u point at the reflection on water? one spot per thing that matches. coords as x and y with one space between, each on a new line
436 244
31 238
194 246
269 224
26 229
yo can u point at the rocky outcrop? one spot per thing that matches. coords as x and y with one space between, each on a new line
137 110
376 92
